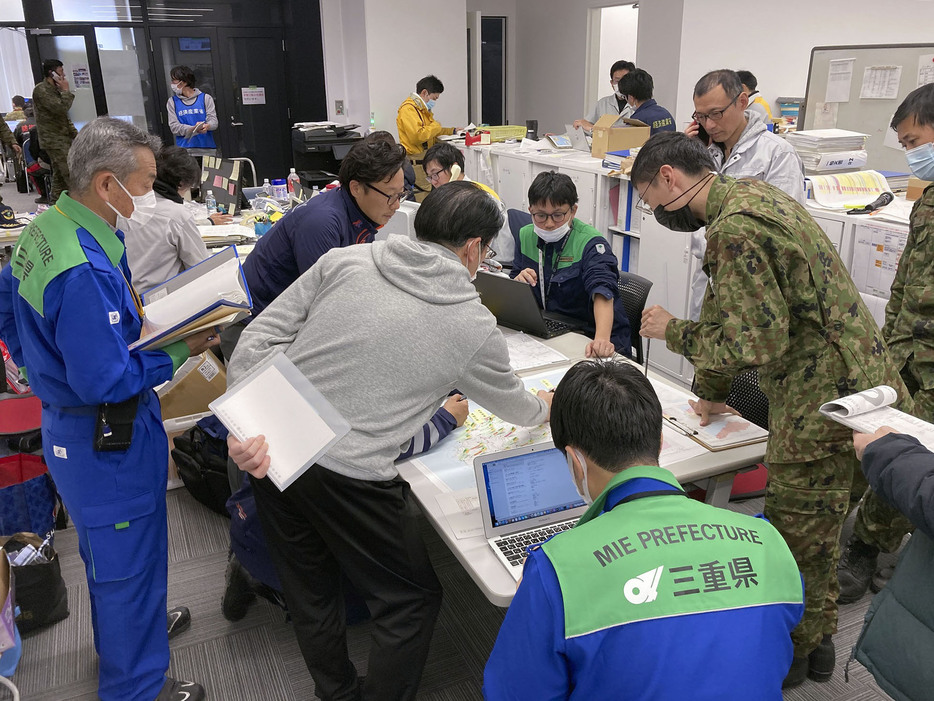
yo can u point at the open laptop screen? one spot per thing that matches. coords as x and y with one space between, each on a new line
528 486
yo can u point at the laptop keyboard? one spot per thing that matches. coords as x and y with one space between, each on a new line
513 546
555 326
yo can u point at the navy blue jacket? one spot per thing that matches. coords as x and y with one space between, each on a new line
657 117
294 244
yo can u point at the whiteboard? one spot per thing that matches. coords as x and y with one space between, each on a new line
868 115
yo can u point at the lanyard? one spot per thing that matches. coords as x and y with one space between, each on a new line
137 301
556 260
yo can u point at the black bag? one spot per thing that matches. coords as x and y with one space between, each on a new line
39 588
21 184
200 455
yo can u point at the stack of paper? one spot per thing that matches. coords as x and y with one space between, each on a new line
896 180
826 150
846 190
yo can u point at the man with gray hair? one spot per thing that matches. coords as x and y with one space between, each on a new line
67 313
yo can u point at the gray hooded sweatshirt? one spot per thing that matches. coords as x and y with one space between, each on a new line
385 332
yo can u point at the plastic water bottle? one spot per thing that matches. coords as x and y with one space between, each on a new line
294 182
210 203
315 191
267 188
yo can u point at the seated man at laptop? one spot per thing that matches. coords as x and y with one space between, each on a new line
652 594
425 334
444 163
571 265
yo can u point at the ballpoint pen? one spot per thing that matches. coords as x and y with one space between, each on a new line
648 343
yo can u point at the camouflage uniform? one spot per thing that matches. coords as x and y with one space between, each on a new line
909 332
781 300
56 131
6 137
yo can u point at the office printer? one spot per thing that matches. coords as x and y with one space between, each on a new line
320 147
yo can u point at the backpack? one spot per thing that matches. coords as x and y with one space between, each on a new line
200 455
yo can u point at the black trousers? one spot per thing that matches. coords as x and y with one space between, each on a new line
325 524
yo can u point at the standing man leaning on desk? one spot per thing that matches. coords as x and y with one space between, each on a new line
67 314
418 128
909 333
423 333
638 87
51 99
780 300
611 104
651 594
741 147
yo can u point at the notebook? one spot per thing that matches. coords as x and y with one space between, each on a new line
526 496
279 402
514 305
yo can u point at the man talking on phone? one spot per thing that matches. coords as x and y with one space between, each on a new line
52 99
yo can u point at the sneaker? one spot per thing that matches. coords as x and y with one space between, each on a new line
177 690
797 674
238 594
41 200
822 660
178 621
855 570
880 578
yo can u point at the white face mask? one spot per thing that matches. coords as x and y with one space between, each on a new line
553 235
177 89
585 494
144 206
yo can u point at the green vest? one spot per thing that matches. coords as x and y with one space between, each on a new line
667 555
49 246
573 250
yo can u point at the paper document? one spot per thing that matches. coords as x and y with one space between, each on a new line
461 509
724 430
839 78
845 190
279 402
870 409
925 69
877 248
880 83
212 293
526 353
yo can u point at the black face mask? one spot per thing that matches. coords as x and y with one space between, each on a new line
681 219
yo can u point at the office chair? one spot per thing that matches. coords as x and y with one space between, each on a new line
634 291
517 219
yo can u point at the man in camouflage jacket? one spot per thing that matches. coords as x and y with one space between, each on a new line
7 139
52 99
779 300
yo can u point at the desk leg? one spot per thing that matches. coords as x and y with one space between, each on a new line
718 490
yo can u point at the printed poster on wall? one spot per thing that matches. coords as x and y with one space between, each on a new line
81 77
925 69
253 95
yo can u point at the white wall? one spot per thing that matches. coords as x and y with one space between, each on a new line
776 40
618 32
406 40
659 47
343 32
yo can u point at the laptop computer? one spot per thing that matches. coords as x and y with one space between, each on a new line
514 305
526 496
577 137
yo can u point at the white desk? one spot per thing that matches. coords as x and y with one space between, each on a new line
475 554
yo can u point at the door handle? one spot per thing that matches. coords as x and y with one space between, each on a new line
235 124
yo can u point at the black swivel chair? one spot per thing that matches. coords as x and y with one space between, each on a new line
746 397
634 291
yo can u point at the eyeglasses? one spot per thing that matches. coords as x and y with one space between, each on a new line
642 204
490 253
556 217
391 199
432 177
714 115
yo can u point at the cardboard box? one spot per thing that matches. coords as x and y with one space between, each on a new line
915 188
607 137
200 380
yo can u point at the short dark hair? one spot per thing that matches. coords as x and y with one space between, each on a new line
622 66
610 411
637 83
725 78
557 188
919 104
176 167
459 211
431 84
748 79
184 74
371 161
673 148
19 101
381 135
49 65
445 155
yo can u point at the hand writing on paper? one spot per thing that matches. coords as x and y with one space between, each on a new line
457 406
705 408
862 440
528 276
250 455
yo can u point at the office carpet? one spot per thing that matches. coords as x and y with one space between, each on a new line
257 658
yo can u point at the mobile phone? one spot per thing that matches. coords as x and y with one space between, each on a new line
702 133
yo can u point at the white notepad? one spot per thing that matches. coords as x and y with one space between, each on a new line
279 402
869 410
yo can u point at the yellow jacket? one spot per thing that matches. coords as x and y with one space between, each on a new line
418 129
759 100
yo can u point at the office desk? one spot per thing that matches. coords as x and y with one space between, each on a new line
717 469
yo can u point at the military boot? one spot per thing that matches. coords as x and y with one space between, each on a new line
822 660
855 570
